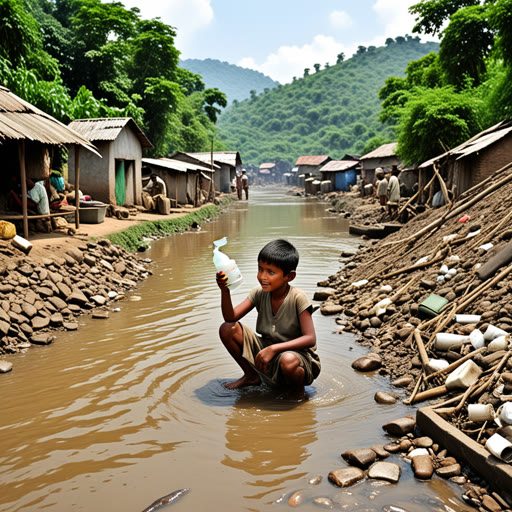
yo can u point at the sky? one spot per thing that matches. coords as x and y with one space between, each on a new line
279 37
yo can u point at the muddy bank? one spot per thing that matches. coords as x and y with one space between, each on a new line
457 259
45 291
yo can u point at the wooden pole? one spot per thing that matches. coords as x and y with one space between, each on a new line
23 176
77 186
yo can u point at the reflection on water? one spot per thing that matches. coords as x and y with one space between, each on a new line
124 411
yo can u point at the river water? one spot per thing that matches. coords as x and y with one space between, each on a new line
126 410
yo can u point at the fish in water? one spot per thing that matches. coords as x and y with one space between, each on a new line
170 498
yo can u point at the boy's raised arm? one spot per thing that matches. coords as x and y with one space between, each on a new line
230 313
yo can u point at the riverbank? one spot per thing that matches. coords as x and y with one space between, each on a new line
400 296
63 276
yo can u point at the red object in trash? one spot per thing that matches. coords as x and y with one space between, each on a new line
464 219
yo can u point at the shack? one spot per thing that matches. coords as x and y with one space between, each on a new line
187 182
310 166
341 173
228 162
28 139
384 157
471 162
116 177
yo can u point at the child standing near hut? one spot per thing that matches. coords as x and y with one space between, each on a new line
283 350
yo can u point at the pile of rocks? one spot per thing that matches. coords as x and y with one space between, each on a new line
41 296
381 293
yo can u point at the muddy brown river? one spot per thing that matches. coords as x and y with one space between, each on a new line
126 410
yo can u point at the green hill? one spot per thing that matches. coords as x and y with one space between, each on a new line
332 111
236 82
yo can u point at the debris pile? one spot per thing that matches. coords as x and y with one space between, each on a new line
40 296
434 300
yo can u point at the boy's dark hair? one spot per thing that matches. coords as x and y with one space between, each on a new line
280 253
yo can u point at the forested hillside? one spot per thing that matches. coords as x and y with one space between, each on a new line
234 81
331 111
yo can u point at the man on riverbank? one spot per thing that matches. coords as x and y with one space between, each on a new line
245 185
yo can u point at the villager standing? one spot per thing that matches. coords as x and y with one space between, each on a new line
393 191
239 186
382 186
245 185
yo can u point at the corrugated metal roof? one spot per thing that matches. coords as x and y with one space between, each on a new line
312 160
187 157
224 157
383 151
175 165
108 129
268 165
339 165
19 120
475 143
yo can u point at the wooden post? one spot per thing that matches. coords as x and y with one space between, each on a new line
77 186
23 176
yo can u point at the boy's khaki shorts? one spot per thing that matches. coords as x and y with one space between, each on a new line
253 343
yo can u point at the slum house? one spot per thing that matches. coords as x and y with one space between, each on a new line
469 163
310 166
186 182
384 157
266 173
229 163
28 138
116 177
342 174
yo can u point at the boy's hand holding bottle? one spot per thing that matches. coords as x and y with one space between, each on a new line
222 280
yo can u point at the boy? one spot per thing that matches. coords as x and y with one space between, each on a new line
284 350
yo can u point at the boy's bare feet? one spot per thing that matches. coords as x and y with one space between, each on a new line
243 382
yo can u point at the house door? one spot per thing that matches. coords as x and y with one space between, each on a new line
120 183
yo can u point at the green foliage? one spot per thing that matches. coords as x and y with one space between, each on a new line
466 42
332 111
130 239
435 120
234 81
500 18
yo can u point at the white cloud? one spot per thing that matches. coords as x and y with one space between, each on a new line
340 19
187 16
290 61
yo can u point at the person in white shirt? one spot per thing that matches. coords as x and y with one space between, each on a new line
156 186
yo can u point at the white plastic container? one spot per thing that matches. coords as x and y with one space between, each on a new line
467 319
446 340
493 332
481 412
438 364
463 376
223 263
486 247
506 414
499 343
476 339
358 284
499 447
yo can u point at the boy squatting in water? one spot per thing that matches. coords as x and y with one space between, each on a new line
283 351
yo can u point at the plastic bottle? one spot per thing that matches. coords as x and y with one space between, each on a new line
223 263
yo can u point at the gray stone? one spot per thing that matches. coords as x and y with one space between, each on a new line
400 426
99 300
45 292
422 467
385 471
5 366
26 270
40 322
43 338
346 477
4 327
331 309
76 254
58 303
403 382
101 314
449 471
323 502
107 265
381 452
423 442
361 457
321 295
64 290
77 297
89 260
366 364
28 309
383 397
56 319
70 326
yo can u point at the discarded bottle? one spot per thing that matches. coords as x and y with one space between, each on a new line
223 263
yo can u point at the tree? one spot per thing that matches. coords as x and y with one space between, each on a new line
500 18
466 43
317 67
213 97
389 41
340 58
306 72
431 15
361 49
435 119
